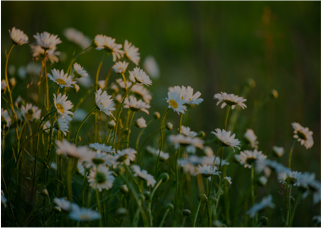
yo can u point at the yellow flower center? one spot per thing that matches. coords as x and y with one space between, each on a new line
173 103
84 217
60 108
61 82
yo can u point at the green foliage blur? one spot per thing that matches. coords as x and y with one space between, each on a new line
213 47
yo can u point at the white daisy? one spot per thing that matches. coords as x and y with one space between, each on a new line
104 102
136 105
131 52
207 170
229 99
3 85
101 178
151 66
126 156
187 131
77 37
122 83
84 215
47 125
63 106
290 177
163 156
247 157
81 168
141 123
182 140
62 125
5 118
98 158
79 71
102 148
120 67
226 139
18 36
70 150
141 91
65 204
266 202
30 112
47 40
175 101
303 135
211 159
278 151
101 84
52 54
62 79
229 180
108 43
144 175
189 98
250 137
138 75
85 82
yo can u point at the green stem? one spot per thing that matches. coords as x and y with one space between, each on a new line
43 119
46 82
295 207
252 190
129 126
108 76
98 205
162 139
226 118
164 217
196 214
291 151
74 59
288 206
69 173
75 140
151 201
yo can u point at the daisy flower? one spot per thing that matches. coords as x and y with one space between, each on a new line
266 202
108 43
163 156
250 137
211 159
175 101
247 157
151 66
81 168
278 151
30 112
189 98
77 37
141 123
5 118
63 106
70 150
102 148
182 140
303 135
122 83
207 170
263 164
144 175
104 102
138 75
62 125
62 79
79 71
126 156
18 36
120 67
226 139
136 105
141 91
3 85
101 178
131 52
47 40
65 204
229 99
84 215
187 131
290 177
52 54
229 180
93 159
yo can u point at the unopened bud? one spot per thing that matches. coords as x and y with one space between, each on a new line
75 87
12 82
44 192
57 209
170 206
264 220
186 212
262 181
169 126
250 83
156 115
164 177
112 124
274 94
201 134
123 189
122 211
202 198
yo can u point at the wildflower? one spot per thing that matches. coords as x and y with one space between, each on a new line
62 125
229 180
209 160
187 131
229 99
278 151
102 148
250 137
79 71
70 150
5 118
138 75
3 199
226 139
108 43
47 40
18 36
3 85
263 180
151 67
141 123
84 215
101 84
63 106
136 105
175 101
142 92
65 204
189 98
30 112
185 141
77 37
266 202
62 79
248 157
111 124
163 156
52 54
120 67
144 175
98 158
101 178
131 52
207 170
104 102
122 83
81 168
125 156
290 177
303 135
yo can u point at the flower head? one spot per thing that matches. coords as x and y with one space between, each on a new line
229 180
290 177
131 52
141 91
30 112
250 137
138 75
136 105
65 204
229 99
62 125
18 36
207 170
62 79
144 175
303 135
163 156
266 202
84 215
278 151
189 98
37 50
141 123
108 43
104 102
151 67
93 159
175 101
182 140
63 106
47 40
101 178
69 149
125 156
79 71
102 148
77 37
187 131
226 139
247 157
120 67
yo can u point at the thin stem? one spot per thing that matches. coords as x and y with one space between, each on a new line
291 151
226 118
162 139
164 217
151 201
129 126
196 214
288 206
69 173
295 207
252 190
43 119
108 76
75 140
74 59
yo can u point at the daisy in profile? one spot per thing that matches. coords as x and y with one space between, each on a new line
136 105
151 67
226 139
62 79
120 67
125 156
30 112
138 75
141 91
189 98
266 202
131 52
65 204
144 175
104 102
247 157
187 131
18 37
79 71
93 159
278 151
141 123
70 150
47 40
122 83
182 140
290 177
175 101
163 156
37 51
250 138
62 125
5 118
84 215
102 148
101 178
63 106
77 37
207 170
108 43
303 135
228 179
229 99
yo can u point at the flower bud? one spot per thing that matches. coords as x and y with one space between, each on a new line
122 211
114 88
250 83
123 189
202 198
264 220
147 195
164 177
262 181
186 212
44 192
170 206
112 124
169 126
12 82
156 115
274 94
57 209
75 87
201 134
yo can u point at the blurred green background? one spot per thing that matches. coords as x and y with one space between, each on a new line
213 47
